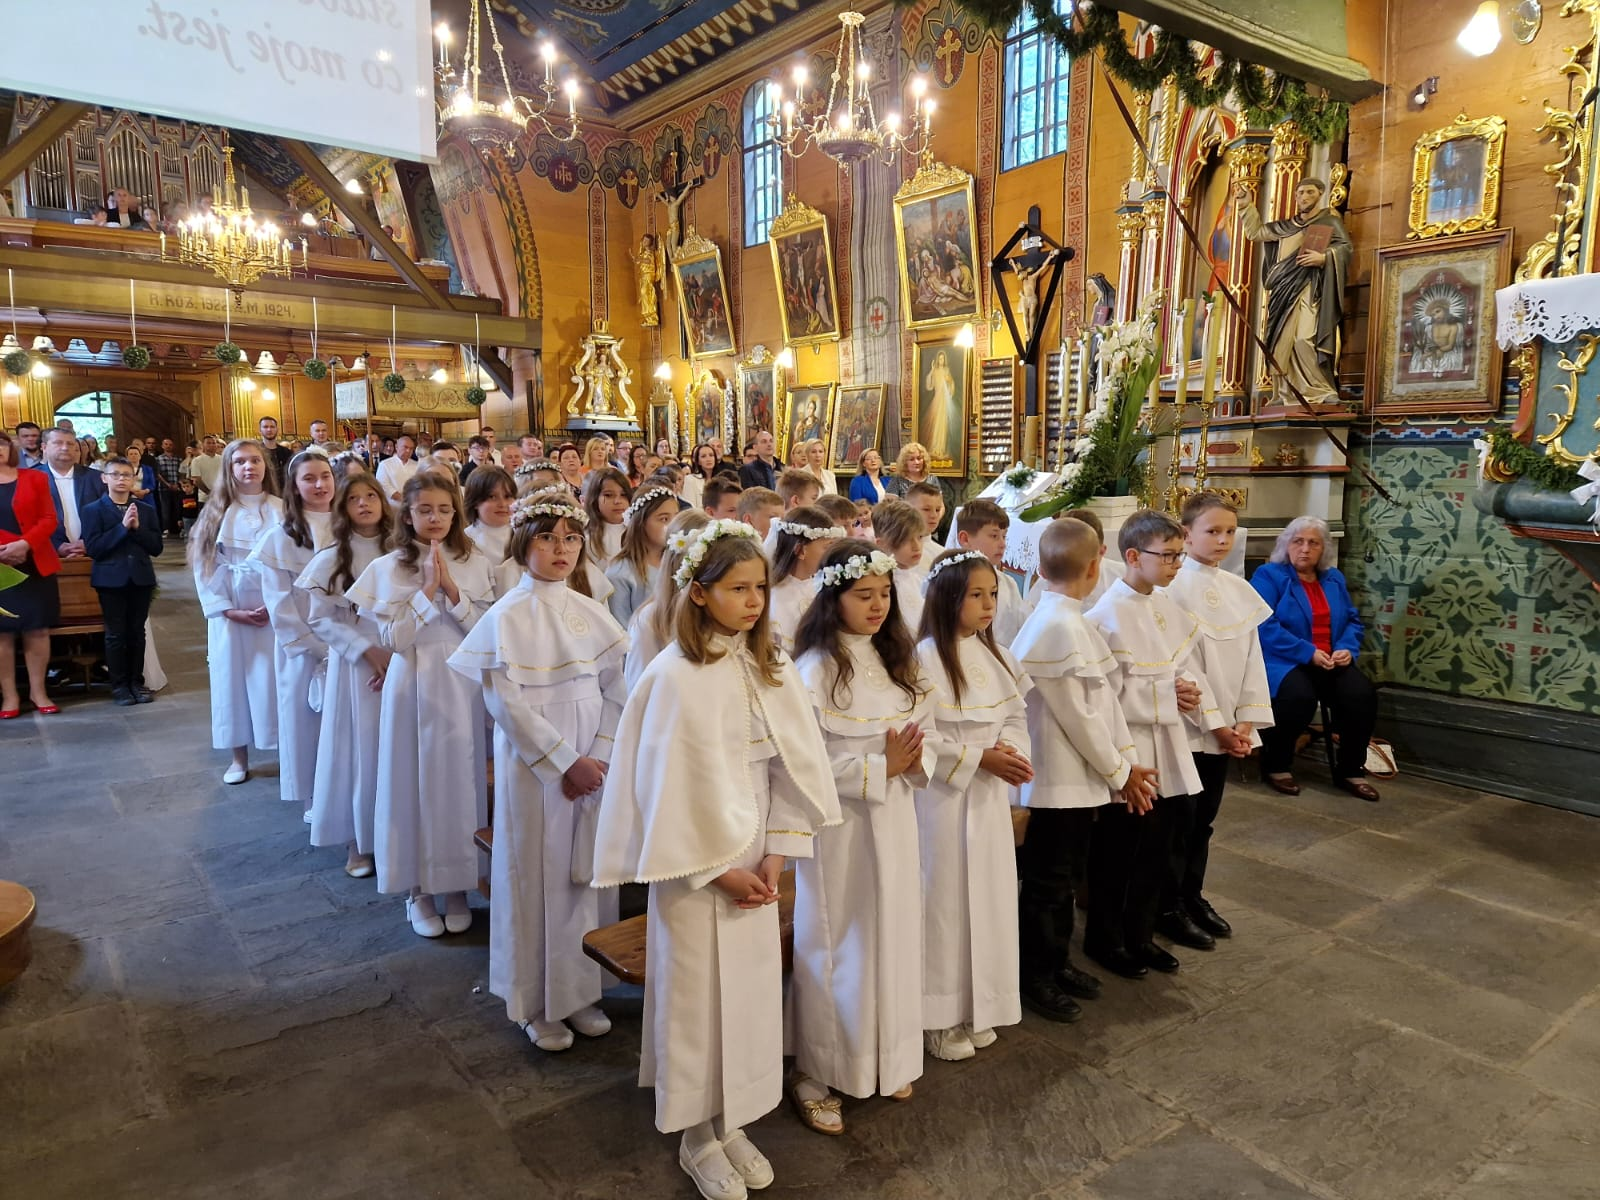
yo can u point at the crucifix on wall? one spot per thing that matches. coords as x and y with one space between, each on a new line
676 184
1034 258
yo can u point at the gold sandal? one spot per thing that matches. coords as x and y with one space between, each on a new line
810 1111
902 1095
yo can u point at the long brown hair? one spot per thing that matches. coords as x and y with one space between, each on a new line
821 626
294 510
786 549
941 615
635 546
690 520
203 537
456 542
593 485
692 623
344 531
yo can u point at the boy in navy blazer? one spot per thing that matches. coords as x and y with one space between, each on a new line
121 534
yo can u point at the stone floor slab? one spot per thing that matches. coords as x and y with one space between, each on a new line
1293 895
1197 1166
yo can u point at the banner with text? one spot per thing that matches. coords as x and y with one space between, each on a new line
349 73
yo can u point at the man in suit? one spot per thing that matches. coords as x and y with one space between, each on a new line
72 487
763 470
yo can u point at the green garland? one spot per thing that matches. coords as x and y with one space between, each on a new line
476 395
1267 97
1514 458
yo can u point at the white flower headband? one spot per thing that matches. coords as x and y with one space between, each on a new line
694 549
964 556
644 499
533 468
810 532
532 507
857 566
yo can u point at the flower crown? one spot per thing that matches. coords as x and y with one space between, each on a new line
857 566
697 543
810 532
534 467
964 556
530 508
644 499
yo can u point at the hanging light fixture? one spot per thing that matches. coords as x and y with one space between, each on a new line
229 242
847 128
494 122
1481 34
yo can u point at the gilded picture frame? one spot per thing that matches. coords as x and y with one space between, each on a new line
1455 178
1431 333
708 411
856 424
761 391
941 403
703 298
936 239
802 263
804 415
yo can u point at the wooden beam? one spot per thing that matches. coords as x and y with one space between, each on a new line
15 158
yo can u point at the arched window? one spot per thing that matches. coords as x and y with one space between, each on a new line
1036 78
90 415
763 165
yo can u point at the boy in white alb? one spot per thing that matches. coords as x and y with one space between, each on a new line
1163 693
981 525
898 530
1229 611
1081 748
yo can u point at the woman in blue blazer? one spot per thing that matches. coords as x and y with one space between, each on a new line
1310 644
868 483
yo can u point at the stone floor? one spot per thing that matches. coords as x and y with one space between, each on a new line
1410 1008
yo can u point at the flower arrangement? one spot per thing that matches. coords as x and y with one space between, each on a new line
1110 443
475 396
136 358
810 532
227 352
394 383
1019 477
315 368
643 499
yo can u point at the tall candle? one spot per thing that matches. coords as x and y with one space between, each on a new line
1208 388
1181 359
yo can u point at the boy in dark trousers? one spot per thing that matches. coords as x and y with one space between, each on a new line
121 535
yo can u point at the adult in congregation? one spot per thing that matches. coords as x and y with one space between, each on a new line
278 456
816 462
394 473
911 466
29 610
869 483
72 487
762 470
1310 645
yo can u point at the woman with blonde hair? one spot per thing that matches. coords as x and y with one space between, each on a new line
597 454
816 462
912 465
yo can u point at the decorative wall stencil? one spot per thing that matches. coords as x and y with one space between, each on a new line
668 160
945 37
713 138
623 170
565 164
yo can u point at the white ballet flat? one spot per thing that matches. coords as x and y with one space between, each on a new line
751 1164
590 1021
550 1036
950 1045
457 915
235 774
428 925
361 868
713 1174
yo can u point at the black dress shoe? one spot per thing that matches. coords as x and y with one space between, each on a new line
1284 785
1176 926
123 698
1118 961
1157 959
144 695
1049 1001
1078 983
1203 915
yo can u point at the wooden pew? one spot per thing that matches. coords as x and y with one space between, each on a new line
80 616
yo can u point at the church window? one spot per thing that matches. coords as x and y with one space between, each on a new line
1036 83
763 165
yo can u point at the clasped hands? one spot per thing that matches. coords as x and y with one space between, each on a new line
436 575
752 889
1339 658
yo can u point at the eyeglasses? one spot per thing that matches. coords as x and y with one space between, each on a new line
549 541
1171 557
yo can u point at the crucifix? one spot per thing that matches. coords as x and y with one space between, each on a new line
1031 255
676 184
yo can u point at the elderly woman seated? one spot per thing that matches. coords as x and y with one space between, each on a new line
1310 645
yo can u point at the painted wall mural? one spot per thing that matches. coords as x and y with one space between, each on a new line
945 36
623 170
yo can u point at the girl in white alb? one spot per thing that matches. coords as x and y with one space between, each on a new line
281 555
606 496
240 652
969 865
344 793
425 597
855 996
800 538
719 773
488 497
644 540
651 627
549 661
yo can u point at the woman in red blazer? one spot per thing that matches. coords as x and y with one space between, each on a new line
27 519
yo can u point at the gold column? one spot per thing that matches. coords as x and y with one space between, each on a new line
1291 150
1247 159
38 401
1141 165
1130 229
239 403
1153 253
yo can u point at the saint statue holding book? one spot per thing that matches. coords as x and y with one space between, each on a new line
1307 258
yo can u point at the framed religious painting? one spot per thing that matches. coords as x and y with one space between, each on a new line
941 383
804 416
703 297
760 393
661 423
802 258
857 425
1455 178
708 411
935 233
1431 346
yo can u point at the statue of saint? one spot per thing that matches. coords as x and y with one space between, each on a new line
650 267
1304 277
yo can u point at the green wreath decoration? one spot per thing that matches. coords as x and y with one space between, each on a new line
17 362
227 352
1514 458
476 395
1267 97
315 368
394 383
136 358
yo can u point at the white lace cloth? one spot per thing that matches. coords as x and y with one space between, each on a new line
1022 537
1556 310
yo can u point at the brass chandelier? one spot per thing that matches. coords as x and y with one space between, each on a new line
487 122
228 241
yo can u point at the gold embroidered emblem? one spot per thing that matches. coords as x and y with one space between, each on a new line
1213 598
980 677
576 623
1161 620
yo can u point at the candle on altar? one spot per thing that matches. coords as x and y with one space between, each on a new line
163 245
1180 361
1208 388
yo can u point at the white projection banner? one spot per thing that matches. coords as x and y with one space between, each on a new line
351 73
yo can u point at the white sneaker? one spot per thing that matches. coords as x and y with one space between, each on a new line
751 1164
361 866
457 915
307 817
550 1036
712 1173
590 1021
235 774
424 918
951 1045
981 1039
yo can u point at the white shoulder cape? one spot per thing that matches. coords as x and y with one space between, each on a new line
1148 635
1226 606
542 633
1055 640
870 705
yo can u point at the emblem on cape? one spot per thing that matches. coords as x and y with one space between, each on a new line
1161 621
576 623
980 677
1213 598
